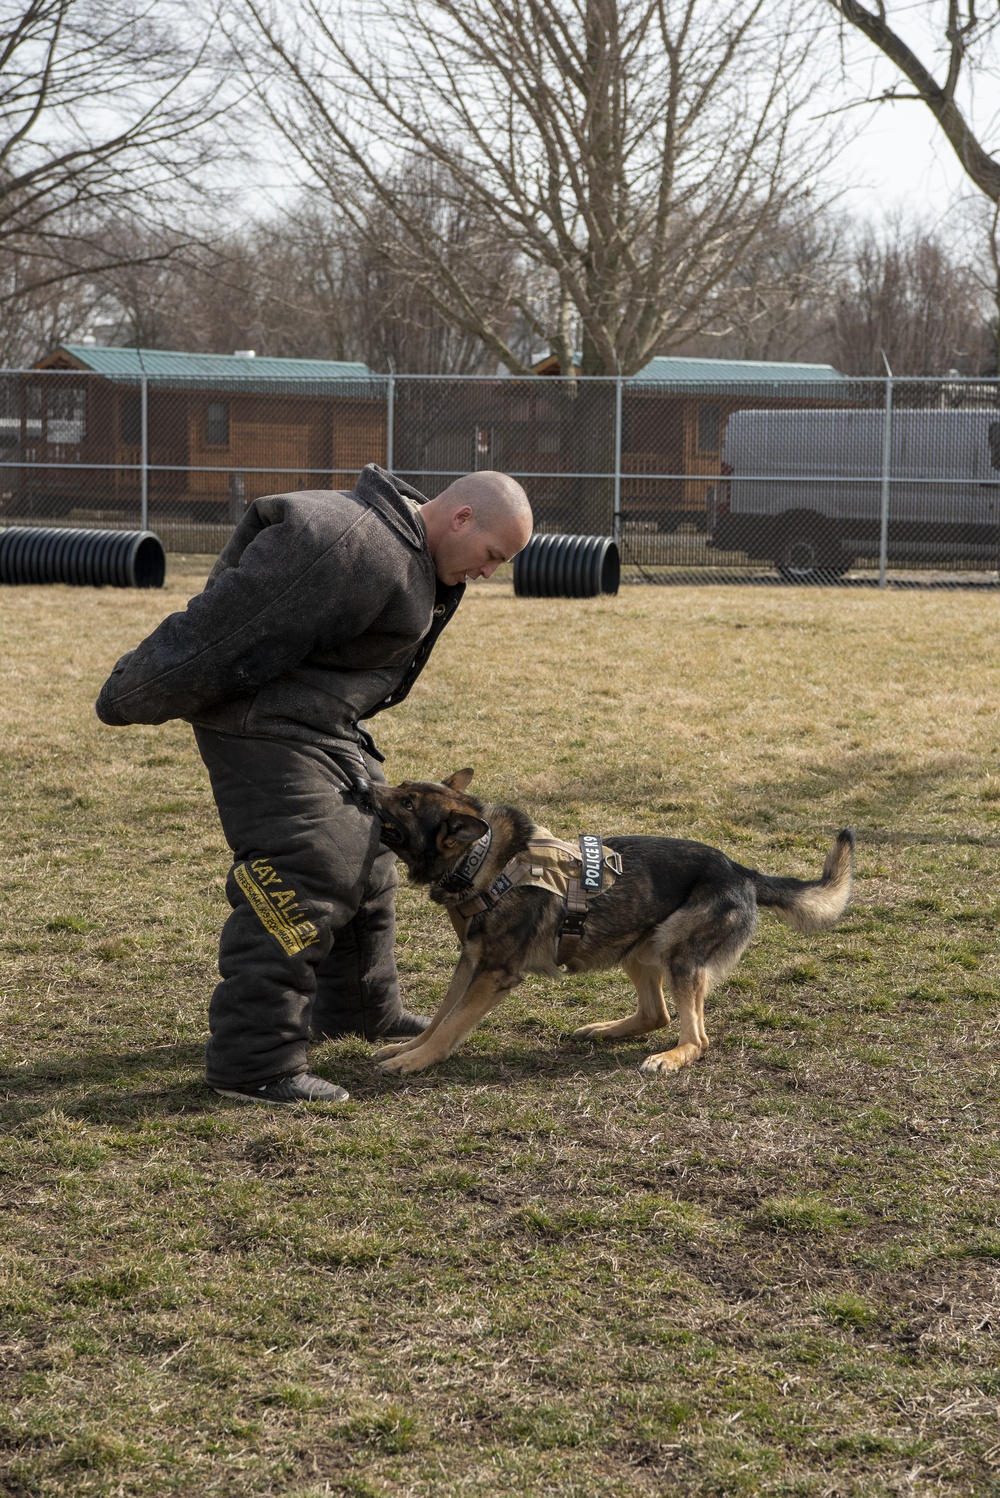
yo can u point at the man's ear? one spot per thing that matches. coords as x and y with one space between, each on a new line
459 831
460 780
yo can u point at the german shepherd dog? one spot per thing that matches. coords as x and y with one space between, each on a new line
679 911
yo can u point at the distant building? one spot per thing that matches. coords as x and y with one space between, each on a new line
222 428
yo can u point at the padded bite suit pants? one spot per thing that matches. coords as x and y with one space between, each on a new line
308 951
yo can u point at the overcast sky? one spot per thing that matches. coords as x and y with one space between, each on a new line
901 163
899 159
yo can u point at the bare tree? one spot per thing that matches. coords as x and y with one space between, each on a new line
978 221
991 281
394 301
103 112
36 320
302 285
612 160
905 294
966 37
778 297
968 40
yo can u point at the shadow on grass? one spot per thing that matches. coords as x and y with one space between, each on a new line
71 1082
510 1061
867 786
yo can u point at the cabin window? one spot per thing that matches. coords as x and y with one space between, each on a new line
67 415
626 429
995 443
217 424
33 407
484 448
130 420
10 421
709 426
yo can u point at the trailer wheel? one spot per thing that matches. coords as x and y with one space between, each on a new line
807 550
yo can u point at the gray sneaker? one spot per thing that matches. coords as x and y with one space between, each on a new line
303 1088
405 1025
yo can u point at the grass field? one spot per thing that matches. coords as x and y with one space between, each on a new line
530 1270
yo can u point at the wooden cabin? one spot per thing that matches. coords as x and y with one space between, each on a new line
222 428
225 428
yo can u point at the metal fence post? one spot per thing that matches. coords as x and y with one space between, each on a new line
144 406
883 539
390 424
616 526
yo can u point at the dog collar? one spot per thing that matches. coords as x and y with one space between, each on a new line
463 874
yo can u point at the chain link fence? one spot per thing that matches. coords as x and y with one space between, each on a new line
819 481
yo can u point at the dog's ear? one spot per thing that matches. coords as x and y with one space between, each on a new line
459 831
460 781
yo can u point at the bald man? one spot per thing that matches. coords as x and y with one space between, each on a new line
321 612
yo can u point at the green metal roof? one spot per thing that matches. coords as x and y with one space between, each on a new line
157 363
335 376
168 368
668 370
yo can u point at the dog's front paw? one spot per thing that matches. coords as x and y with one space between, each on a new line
665 1062
385 1051
400 1065
614 1029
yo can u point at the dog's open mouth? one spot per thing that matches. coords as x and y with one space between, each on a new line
390 834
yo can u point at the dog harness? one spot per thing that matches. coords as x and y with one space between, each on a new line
577 872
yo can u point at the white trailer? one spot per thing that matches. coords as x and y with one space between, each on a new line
805 488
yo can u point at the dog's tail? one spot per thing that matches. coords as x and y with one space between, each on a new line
811 904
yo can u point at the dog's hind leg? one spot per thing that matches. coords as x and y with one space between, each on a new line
700 945
456 991
651 1011
689 984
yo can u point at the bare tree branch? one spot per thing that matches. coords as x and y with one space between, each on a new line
964 27
904 294
107 108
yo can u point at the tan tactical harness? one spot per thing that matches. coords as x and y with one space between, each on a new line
550 863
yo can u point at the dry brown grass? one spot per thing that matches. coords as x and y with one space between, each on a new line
529 1270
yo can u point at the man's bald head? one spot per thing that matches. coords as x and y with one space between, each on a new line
495 498
479 521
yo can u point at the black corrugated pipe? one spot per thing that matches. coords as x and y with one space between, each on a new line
88 559
567 567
